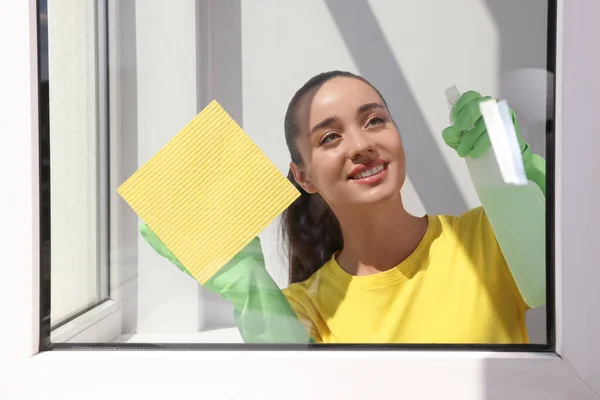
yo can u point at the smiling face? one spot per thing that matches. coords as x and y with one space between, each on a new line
350 147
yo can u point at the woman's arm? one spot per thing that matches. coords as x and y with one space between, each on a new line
262 312
516 214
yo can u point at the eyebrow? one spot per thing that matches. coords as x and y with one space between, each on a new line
332 120
369 106
324 124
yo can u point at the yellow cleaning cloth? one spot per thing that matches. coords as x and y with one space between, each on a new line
208 192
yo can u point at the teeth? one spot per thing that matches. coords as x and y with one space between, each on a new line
369 172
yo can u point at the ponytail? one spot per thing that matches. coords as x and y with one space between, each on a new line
311 234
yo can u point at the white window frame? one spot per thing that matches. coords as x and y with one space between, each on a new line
573 371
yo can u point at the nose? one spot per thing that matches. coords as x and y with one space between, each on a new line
360 146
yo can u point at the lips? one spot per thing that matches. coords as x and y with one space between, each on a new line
366 170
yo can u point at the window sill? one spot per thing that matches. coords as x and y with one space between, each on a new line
224 335
302 375
100 324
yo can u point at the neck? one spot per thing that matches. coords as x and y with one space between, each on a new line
378 237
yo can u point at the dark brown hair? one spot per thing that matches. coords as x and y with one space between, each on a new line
311 232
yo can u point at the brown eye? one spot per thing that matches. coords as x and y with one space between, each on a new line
376 121
328 138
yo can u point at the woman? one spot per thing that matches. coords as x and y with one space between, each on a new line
364 270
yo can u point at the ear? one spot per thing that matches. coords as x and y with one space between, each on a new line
303 179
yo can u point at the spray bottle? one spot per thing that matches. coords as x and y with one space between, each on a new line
515 206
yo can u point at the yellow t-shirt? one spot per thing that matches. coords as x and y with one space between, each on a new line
454 288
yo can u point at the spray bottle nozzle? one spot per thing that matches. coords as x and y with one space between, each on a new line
452 96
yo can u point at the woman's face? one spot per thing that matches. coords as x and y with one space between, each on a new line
350 147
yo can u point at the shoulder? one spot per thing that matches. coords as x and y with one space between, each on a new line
468 234
473 218
469 218
469 226
301 296
472 234
305 289
304 296
477 240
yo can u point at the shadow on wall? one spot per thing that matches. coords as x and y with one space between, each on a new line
429 173
124 228
524 81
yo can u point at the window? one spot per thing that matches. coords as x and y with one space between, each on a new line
117 86
136 74
568 372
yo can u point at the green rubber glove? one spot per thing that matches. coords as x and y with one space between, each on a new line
261 311
469 137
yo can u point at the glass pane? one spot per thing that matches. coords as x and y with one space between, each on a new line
76 162
387 242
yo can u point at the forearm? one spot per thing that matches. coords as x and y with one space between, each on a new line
262 312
